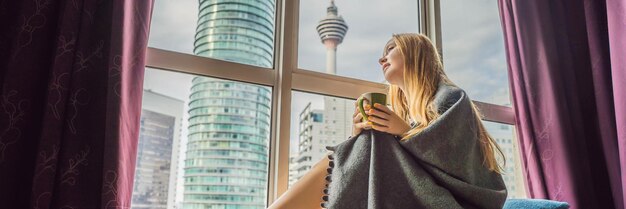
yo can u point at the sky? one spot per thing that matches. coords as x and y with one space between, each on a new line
472 40
473 51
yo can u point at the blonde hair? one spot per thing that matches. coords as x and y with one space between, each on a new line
422 74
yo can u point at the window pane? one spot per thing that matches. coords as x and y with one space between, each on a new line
316 122
504 135
473 49
361 30
203 143
231 30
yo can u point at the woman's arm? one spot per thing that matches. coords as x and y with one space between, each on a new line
307 192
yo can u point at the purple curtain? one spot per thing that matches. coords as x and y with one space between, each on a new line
71 80
567 72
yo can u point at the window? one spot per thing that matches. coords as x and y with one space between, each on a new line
210 59
317 117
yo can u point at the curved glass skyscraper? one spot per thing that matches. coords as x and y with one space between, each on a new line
236 30
229 122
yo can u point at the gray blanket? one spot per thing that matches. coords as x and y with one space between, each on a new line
440 167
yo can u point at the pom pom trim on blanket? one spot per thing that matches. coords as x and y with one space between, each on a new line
329 172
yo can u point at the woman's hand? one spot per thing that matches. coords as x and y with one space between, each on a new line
387 120
357 125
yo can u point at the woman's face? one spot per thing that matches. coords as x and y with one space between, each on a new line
392 64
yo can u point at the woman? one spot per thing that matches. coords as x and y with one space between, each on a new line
414 70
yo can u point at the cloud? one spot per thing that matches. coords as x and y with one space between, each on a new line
175 85
174 25
473 49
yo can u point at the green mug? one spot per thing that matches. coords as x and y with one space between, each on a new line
373 98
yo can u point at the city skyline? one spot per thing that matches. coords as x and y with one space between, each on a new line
355 56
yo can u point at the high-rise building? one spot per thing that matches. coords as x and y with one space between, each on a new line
229 122
504 136
292 168
310 138
318 129
338 115
236 30
157 151
332 29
